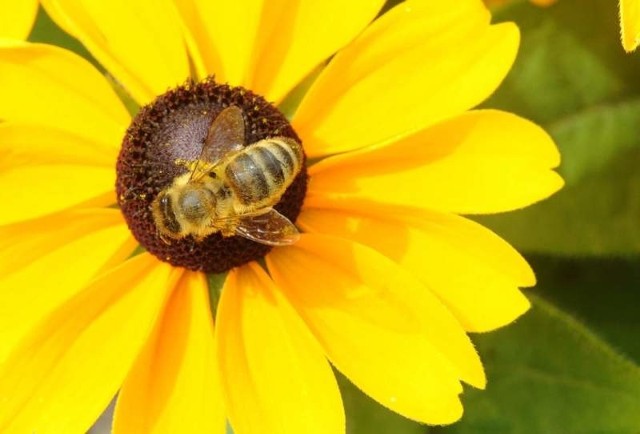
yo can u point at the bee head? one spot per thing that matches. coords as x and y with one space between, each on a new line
164 215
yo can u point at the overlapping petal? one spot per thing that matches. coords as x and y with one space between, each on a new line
474 272
39 196
65 372
32 155
279 43
37 144
61 253
480 162
379 326
421 62
302 35
140 43
50 86
173 386
274 374
630 24
17 18
222 35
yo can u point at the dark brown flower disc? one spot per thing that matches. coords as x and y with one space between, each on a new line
174 128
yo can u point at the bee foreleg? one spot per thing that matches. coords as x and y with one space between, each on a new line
164 240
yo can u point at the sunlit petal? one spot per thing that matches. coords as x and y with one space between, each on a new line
473 271
483 161
48 85
269 47
173 386
274 374
422 62
36 275
223 34
630 24
379 326
17 18
25 143
296 37
40 196
65 372
139 43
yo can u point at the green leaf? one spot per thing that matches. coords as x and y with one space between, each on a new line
573 78
549 374
365 416
602 292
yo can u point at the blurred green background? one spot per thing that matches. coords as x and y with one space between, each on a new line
571 364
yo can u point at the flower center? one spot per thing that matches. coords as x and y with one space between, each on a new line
205 171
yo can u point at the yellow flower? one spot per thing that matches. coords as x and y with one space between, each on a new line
384 282
17 18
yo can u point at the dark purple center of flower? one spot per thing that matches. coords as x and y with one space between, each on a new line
174 128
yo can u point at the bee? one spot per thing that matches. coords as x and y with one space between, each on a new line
231 188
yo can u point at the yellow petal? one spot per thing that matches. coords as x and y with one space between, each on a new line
483 161
65 372
274 375
25 242
379 326
173 386
36 144
44 189
41 268
139 43
17 18
474 272
52 169
224 34
48 85
630 24
302 33
422 62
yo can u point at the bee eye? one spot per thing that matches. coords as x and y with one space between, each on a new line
165 201
168 216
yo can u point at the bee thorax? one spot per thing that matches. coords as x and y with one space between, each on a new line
196 204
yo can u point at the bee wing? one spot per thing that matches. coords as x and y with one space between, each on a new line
226 134
269 227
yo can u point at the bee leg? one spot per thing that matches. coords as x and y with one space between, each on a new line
164 240
228 230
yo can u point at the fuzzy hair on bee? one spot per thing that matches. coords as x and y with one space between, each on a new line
231 187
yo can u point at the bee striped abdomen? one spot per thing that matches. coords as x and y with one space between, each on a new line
273 168
261 172
289 153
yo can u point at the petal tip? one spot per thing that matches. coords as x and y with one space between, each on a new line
629 14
